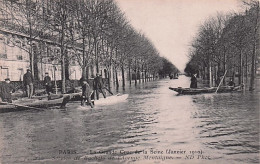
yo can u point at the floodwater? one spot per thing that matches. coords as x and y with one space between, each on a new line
154 125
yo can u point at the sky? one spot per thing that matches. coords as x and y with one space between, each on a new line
172 24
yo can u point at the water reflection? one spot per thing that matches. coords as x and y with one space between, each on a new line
224 126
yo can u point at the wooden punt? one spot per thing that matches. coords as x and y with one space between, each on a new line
193 91
37 102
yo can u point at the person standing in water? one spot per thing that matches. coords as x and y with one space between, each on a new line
28 83
5 91
47 83
86 93
98 86
193 79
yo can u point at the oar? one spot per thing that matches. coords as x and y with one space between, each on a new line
221 81
24 106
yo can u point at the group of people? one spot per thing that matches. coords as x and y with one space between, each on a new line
193 83
6 88
88 93
28 83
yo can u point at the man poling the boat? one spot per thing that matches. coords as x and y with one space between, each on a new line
47 83
221 81
98 86
193 79
5 91
231 83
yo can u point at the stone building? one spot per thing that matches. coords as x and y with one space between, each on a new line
15 47
15 59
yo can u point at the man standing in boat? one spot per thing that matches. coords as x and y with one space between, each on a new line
28 83
98 85
86 93
47 83
5 91
231 83
193 83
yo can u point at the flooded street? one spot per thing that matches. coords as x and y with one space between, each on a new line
153 125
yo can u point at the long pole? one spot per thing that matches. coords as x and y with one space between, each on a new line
23 106
221 81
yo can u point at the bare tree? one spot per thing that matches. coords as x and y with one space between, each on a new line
26 17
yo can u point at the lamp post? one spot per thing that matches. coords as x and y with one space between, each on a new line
55 82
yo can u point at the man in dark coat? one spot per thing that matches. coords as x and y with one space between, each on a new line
218 81
5 91
28 83
231 83
193 83
98 86
86 93
47 83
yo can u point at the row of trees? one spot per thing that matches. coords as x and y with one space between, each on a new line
96 28
227 43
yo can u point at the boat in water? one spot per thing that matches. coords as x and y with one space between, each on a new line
109 100
114 99
193 91
36 102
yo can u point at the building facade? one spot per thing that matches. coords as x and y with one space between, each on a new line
15 58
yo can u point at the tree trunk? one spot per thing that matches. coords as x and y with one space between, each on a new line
240 80
256 35
225 67
123 77
84 72
246 71
87 72
139 73
31 48
63 74
130 77
145 76
84 67
63 77
35 71
210 75
252 78
109 77
135 76
117 82
96 55
67 74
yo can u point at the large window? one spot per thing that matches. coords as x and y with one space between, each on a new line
17 51
4 73
19 57
3 54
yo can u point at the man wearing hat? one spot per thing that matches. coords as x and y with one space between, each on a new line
47 83
28 83
86 93
98 85
5 91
